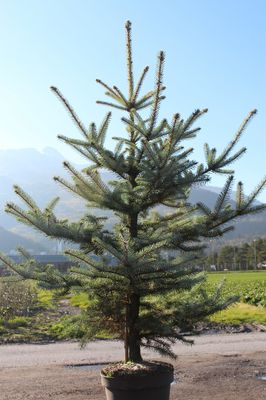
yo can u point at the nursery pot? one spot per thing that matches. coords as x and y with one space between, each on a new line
139 387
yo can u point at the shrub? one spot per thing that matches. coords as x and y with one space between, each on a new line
17 299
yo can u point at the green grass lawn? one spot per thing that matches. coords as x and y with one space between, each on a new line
239 276
241 313
250 286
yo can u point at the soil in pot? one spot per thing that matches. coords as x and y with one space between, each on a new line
143 381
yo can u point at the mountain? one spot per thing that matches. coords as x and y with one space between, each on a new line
33 170
10 241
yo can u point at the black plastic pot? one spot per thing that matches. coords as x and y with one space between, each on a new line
138 387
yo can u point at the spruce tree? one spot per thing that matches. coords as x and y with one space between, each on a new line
131 282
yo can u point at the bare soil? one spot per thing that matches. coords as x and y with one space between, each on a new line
217 367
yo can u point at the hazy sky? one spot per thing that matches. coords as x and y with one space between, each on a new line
215 58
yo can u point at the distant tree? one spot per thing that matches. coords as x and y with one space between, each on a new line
151 166
245 255
226 257
242 257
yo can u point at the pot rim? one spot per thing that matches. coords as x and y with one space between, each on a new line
163 367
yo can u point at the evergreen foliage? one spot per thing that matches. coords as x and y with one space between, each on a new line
151 166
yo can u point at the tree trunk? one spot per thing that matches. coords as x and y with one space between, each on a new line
133 339
133 332
134 350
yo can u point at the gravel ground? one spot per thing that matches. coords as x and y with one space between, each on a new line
217 367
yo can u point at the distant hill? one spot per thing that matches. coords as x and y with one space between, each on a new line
33 170
10 241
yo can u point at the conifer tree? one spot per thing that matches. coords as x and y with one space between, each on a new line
131 282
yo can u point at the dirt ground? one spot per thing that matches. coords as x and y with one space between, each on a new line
217 367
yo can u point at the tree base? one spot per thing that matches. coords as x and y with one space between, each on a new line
132 384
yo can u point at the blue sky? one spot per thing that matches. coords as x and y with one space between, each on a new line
215 58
